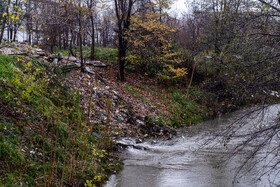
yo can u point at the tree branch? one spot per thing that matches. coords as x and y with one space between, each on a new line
270 5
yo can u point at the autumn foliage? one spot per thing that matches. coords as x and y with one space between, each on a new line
151 47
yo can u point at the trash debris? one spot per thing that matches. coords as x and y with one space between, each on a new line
128 110
96 63
96 135
99 104
90 71
32 152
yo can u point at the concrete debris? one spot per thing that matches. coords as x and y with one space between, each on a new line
90 71
125 114
96 63
8 51
72 59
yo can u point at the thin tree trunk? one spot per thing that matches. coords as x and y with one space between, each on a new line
92 38
121 55
11 34
190 83
83 64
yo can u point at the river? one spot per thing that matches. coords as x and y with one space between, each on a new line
183 162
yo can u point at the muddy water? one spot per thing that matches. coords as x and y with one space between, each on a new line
182 162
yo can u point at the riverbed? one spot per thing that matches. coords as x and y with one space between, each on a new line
186 161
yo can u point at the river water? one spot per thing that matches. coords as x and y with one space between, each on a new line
183 162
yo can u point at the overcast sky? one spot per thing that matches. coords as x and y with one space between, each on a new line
179 7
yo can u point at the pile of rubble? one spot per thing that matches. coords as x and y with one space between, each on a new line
35 52
21 48
126 117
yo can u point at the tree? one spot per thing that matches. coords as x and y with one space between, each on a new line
123 10
5 19
244 48
151 48
91 5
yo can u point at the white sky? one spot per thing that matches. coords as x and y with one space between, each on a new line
178 8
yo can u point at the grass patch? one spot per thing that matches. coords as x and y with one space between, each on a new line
136 92
103 53
10 157
183 110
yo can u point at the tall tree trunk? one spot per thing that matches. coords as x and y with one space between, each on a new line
71 43
37 34
97 37
123 14
59 40
65 38
15 35
121 56
92 38
83 63
29 22
11 34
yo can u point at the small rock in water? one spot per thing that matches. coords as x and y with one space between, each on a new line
153 142
138 141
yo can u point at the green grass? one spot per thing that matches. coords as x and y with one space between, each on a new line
184 111
136 92
104 53
10 155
